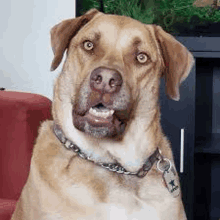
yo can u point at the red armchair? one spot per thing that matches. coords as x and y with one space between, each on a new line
20 117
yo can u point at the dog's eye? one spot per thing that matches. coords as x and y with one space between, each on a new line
142 58
88 45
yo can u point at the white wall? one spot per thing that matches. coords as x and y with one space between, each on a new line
25 51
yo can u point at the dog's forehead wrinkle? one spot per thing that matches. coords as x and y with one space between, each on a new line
122 30
123 34
93 35
136 41
108 31
129 36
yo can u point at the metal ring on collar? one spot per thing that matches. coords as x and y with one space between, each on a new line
164 159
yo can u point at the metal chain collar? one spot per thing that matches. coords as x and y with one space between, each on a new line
114 167
109 166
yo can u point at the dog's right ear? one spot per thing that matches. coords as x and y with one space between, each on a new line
62 33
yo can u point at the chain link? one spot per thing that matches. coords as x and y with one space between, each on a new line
109 166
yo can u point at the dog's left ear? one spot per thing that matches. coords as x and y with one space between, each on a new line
177 59
62 33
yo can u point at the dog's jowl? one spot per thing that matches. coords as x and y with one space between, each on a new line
104 155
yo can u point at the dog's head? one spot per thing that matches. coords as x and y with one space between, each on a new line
112 71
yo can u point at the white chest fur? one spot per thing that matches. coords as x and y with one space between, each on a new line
117 212
121 204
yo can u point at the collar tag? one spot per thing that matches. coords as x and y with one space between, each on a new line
171 181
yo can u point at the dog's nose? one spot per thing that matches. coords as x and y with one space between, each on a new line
105 80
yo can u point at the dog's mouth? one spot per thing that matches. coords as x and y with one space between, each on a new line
100 114
100 120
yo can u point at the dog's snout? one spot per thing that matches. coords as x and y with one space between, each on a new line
105 80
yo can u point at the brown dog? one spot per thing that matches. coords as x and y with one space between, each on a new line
105 156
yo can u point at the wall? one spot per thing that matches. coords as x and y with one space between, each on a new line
25 52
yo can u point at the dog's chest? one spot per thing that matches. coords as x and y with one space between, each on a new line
112 212
120 205
125 206
99 195
119 202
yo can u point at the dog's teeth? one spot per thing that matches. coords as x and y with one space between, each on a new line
104 114
93 111
112 112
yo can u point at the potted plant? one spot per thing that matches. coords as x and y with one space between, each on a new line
185 17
